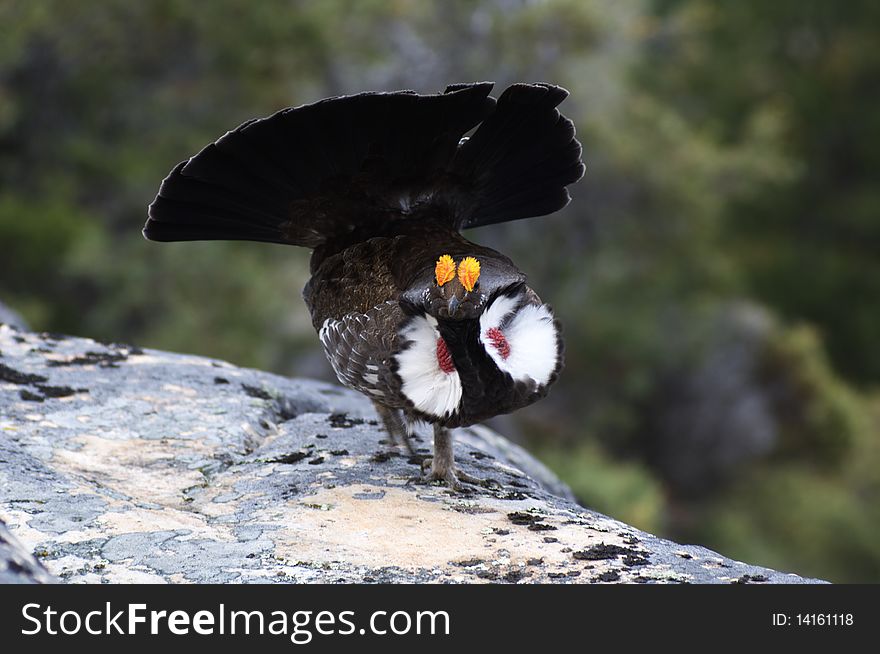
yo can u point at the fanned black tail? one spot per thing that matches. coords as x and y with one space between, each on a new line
521 158
305 175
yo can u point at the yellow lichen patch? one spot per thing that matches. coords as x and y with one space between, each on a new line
417 531
445 270
469 273
135 467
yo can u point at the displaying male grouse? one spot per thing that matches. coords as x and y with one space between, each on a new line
425 323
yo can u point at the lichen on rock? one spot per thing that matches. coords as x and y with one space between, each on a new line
126 465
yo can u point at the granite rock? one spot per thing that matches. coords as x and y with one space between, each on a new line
125 465
17 564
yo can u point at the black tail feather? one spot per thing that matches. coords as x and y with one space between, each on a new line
522 157
305 175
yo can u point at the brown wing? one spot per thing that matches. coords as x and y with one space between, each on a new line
360 348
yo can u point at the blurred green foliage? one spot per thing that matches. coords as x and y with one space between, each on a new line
716 274
809 69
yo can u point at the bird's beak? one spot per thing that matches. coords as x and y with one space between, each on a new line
453 305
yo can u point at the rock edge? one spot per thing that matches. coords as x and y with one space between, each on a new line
125 465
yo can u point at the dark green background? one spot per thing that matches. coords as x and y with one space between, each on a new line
717 273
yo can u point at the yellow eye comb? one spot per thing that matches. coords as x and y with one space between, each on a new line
445 270
469 273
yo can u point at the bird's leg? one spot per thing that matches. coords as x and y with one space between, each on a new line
398 430
443 462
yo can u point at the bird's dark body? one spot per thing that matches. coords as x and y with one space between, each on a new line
379 186
369 290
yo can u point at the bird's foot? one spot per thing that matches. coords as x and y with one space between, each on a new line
451 475
442 464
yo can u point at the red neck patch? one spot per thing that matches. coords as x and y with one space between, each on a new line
499 342
444 359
